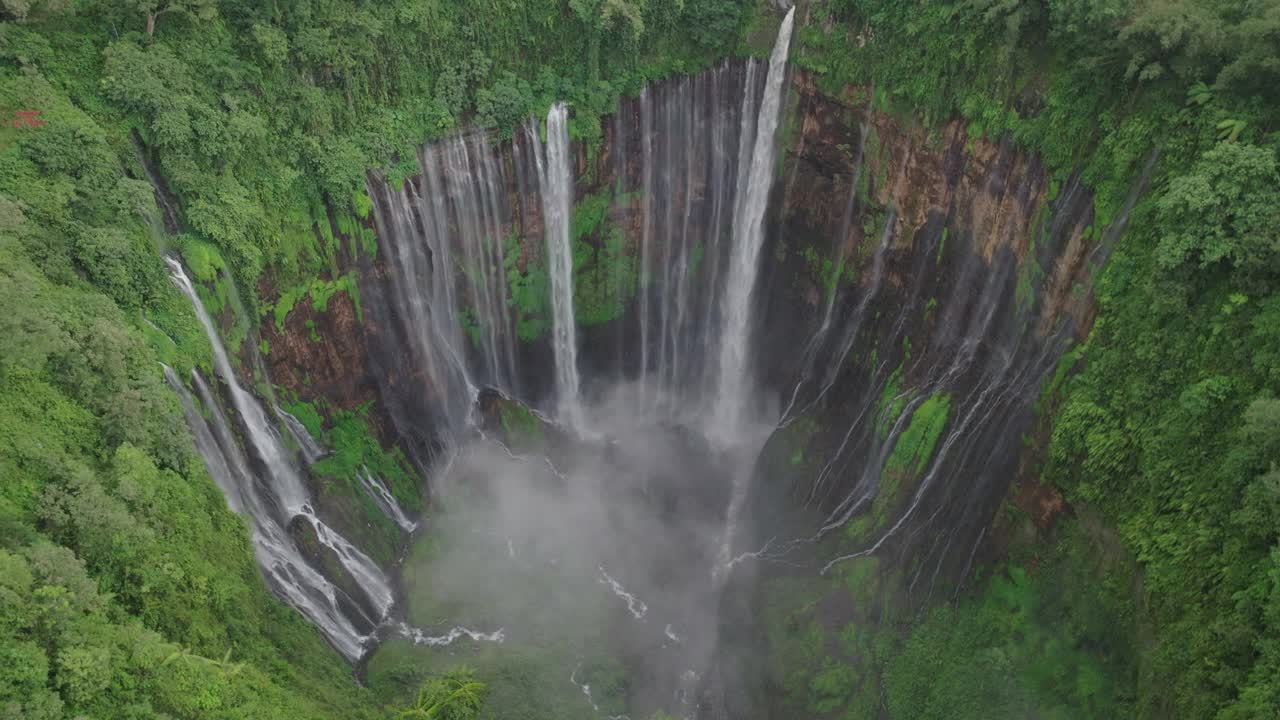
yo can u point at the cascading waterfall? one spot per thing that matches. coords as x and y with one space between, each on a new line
286 486
319 600
728 427
474 190
385 501
216 461
285 498
307 445
695 141
557 201
733 387
443 238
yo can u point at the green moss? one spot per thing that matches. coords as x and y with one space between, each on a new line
832 687
892 402
826 272
604 273
528 293
285 304
202 258
798 437
797 643
862 577
361 239
909 458
916 444
354 448
321 292
524 430
1066 365
1017 649
470 325
307 414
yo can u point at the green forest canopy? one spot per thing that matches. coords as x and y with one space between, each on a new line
127 588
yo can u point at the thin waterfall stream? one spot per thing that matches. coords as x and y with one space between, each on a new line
557 200
733 385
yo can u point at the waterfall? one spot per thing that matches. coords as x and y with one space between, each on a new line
272 501
692 135
646 231
310 448
385 501
286 483
284 567
635 605
702 147
443 239
368 576
216 462
557 203
748 236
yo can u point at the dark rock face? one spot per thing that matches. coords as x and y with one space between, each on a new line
336 366
915 289
908 385
963 259
896 259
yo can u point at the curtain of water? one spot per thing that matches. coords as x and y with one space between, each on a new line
733 387
557 204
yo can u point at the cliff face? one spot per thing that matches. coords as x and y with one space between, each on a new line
909 384
321 354
916 286
911 264
892 254
881 235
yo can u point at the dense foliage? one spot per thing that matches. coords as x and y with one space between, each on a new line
127 589
1167 427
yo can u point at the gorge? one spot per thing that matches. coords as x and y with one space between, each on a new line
726 360
905 404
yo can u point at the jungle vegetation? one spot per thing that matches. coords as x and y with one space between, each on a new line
128 589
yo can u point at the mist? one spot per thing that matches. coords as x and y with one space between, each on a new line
611 544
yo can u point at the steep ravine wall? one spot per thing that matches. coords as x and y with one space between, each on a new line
981 258
909 384
917 286
972 208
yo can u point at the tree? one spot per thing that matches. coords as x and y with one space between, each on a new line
21 10
1225 210
1253 47
153 9
601 16
1178 38
713 24
456 695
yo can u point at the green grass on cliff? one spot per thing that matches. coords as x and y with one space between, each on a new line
604 273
